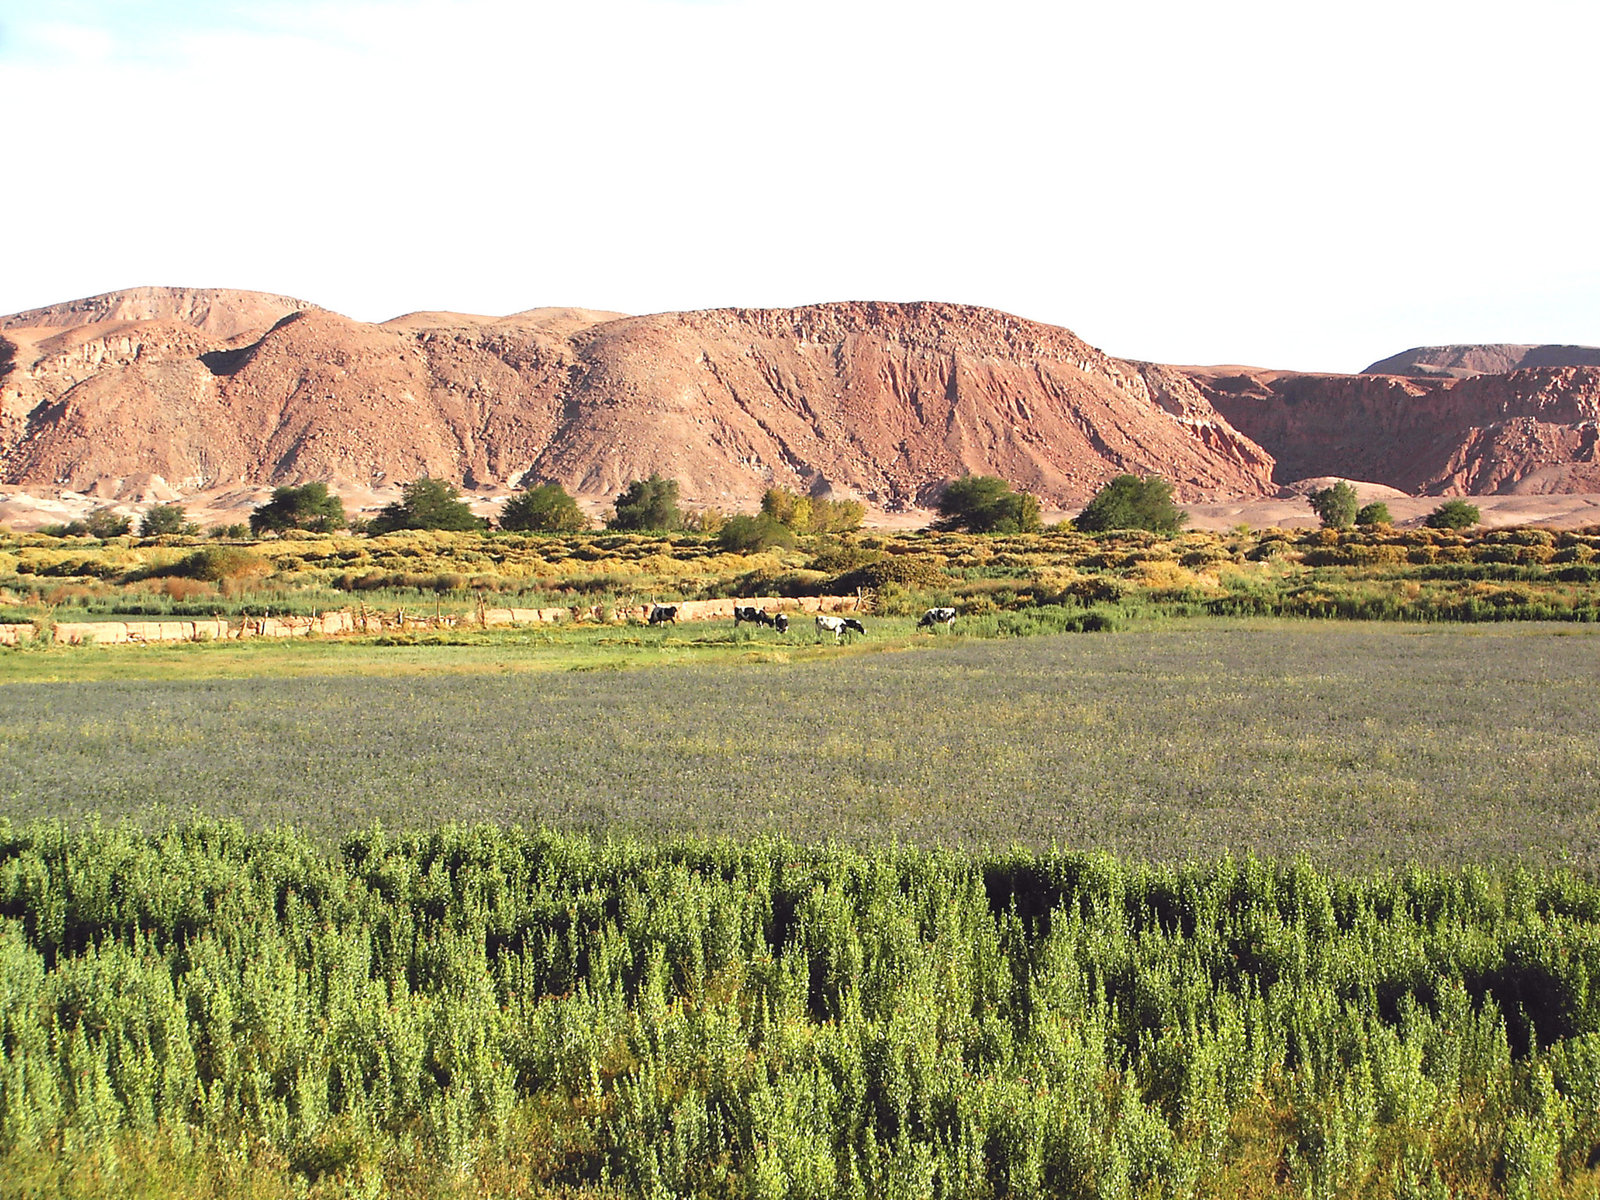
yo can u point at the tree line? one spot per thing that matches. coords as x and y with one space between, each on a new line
972 503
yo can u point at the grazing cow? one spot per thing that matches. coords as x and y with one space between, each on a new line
664 614
781 623
838 625
937 616
756 616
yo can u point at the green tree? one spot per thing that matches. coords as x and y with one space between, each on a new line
647 504
103 523
546 508
1376 513
986 504
426 504
1453 514
162 519
1337 506
309 507
747 535
1129 502
812 514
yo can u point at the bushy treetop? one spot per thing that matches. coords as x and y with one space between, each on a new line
1337 506
1129 502
1453 514
546 508
427 504
647 504
309 507
986 504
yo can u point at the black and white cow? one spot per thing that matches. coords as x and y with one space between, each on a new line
839 625
781 623
664 614
749 612
937 616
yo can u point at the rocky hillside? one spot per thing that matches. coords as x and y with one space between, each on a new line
1459 362
878 401
1529 431
210 389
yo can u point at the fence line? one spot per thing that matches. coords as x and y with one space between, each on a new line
367 621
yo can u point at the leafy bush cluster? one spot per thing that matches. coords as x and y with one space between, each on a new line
526 1011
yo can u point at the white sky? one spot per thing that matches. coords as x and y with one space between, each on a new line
1278 183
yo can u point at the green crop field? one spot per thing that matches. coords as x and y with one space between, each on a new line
1198 907
482 1012
1359 744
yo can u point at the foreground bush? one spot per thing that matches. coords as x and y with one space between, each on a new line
530 1011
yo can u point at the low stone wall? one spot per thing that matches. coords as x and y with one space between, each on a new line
109 633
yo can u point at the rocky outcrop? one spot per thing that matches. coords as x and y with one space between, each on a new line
1530 430
1461 362
220 312
879 401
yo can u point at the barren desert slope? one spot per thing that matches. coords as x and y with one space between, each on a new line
216 395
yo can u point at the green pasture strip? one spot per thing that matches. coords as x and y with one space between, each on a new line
464 652
1358 744
204 1011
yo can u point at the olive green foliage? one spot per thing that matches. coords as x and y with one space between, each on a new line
102 523
309 507
1376 513
1453 514
162 519
986 504
546 508
426 504
750 535
1337 506
1129 502
215 564
488 1012
647 504
812 514
1375 572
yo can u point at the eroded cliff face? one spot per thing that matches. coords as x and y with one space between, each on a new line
1529 430
881 401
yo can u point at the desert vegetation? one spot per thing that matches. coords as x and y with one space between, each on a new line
203 1011
1372 571
1140 884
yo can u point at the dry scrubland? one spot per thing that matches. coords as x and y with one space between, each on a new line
1225 979
1379 572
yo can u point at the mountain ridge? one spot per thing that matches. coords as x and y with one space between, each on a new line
875 400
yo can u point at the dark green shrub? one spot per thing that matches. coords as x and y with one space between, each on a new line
162 519
906 570
427 504
543 509
215 564
309 507
1376 513
1129 502
1453 514
748 535
1336 506
647 504
986 504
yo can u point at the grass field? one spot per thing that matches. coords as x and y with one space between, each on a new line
1356 744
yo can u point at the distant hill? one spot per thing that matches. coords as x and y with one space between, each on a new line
203 389
1459 362
883 402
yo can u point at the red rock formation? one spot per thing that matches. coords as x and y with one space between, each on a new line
1528 430
884 401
